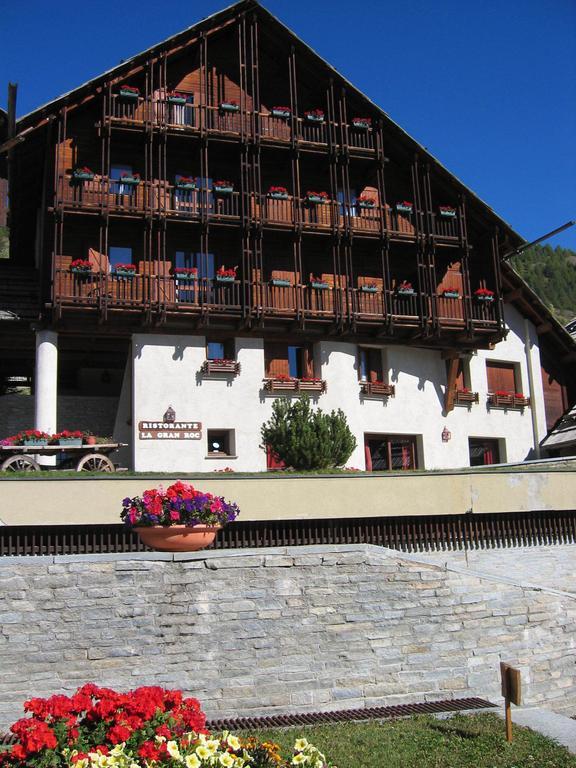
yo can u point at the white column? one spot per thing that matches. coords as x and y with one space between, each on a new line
46 385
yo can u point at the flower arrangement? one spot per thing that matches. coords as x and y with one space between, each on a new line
316 197
362 122
185 273
283 112
318 282
187 182
81 266
314 115
280 193
175 97
83 173
130 89
28 437
405 206
125 268
451 293
130 178
223 186
229 106
223 271
447 211
179 504
365 201
483 292
144 728
504 393
405 288
67 434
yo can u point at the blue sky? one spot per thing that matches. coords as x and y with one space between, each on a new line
489 87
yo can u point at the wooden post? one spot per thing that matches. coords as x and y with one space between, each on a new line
512 692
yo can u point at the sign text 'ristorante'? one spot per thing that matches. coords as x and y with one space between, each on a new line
169 430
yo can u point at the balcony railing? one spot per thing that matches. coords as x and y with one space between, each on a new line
101 288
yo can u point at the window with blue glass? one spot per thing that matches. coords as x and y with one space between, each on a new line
297 361
119 255
116 174
203 262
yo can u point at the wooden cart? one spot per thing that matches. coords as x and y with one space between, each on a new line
83 458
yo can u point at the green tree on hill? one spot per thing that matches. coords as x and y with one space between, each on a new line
551 273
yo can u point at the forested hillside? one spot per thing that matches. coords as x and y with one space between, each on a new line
551 273
3 243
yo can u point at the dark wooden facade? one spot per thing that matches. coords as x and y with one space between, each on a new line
204 109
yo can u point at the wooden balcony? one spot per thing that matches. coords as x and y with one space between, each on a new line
153 288
377 389
291 384
509 400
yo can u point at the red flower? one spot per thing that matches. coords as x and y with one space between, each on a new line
119 733
79 756
149 751
163 730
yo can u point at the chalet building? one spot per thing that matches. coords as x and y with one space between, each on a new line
223 220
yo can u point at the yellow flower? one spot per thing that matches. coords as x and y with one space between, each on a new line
192 761
212 745
299 759
233 742
173 750
300 744
226 760
203 752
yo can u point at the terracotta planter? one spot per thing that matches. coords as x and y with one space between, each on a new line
177 538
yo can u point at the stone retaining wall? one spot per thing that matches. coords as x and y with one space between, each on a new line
293 629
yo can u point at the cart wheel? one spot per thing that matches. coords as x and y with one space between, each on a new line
95 462
20 463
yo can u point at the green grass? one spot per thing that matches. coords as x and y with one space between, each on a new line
462 741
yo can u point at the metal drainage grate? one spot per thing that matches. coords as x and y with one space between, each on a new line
345 715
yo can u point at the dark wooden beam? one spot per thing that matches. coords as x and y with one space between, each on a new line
451 385
543 328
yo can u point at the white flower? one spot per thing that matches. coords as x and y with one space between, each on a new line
226 760
203 752
192 761
233 742
212 745
299 759
300 745
173 750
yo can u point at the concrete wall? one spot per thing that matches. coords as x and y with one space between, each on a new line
166 372
309 628
49 500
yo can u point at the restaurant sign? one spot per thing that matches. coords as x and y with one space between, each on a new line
170 430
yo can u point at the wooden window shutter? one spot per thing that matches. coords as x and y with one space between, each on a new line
375 365
276 359
501 377
308 361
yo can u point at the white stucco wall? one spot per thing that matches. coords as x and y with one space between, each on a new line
166 372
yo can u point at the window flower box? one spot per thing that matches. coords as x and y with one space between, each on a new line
377 389
185 273
31 441
186 182
278 282
447 212
81 267
132 179
278 193
283 113
405 207
366 202
484 295
82 174
177 98
369 288
229 106
362 123
501 399
319 285
314 116
129 93
226 275
223 188
405 289
451 295
316 198
291 384
231 367
465 397
125 270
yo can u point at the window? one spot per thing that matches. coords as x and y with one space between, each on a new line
118 255
503 377
288 360
204 262
390 452
220 350
221 442
370 364
116 173
483 451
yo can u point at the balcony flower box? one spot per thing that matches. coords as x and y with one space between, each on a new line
484 295
283 113
187 274
226 275
132 179
82 174
451 295
405 289
81 267
223 188
231 367
447 212
369 288
314 116
319 285
278 193
292 384
125 270
501 399
377 389
129 93
280 283
316 198
362 123
229 106
465 397
177 98
366 202
405 207
186 182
